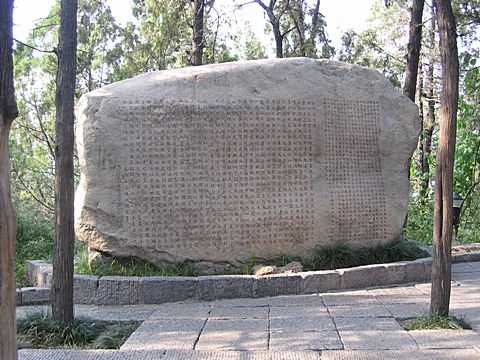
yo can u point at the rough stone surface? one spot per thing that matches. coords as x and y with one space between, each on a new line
321 281
273 285
39 273
161 289
362 276
84 288
269 157
18 297
35 296
225 287
260 270
401 355
119 290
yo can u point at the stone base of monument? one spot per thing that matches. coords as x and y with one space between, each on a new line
125 290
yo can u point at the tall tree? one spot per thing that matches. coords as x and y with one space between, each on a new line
8 113
413 54
296 28
62 288
442 228
198 37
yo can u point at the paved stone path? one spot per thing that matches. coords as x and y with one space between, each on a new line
360 325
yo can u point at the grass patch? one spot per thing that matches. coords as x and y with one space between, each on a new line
435 322
341 255
39 330
110 266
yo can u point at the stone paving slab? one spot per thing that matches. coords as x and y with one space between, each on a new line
376 340
405 311
402 355
445 339
183 311
373 310
118 313
161 340
297 311
349 298
55 354
240 355
171 325
409 295
367 324
249 334
239 313
255 302
296 300
463 268
304 340
300 324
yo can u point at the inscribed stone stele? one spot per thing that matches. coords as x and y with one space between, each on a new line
222 162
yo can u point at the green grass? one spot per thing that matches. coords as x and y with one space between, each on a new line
434 322
341 255
40 331
34 241
130 267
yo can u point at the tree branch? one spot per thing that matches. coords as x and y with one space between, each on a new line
54 51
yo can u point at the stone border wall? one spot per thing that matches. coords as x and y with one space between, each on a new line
131 290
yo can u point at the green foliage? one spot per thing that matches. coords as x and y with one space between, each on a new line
39 330
130 267
341 255
419 226
433 322
383 44
34 241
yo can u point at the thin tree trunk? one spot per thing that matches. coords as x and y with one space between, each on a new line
442 228
430 123
198 40
278 39
8 112
413 55
62 289
420 97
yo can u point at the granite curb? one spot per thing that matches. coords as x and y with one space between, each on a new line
123 290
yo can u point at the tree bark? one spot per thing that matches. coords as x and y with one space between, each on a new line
430 124
442 228
198 37
62 287
8 112
275 22
414 44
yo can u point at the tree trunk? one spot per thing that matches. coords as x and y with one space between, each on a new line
442 228
62 287
8 112
413 54
430 124
278 38
198 41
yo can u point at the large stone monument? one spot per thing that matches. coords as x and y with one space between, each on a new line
222 162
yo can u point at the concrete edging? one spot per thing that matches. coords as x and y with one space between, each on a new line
132 290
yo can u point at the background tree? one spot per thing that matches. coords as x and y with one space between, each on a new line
198 37
413 49
442 228
297 28
62 284
8 113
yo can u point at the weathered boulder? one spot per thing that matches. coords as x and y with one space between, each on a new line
221 162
